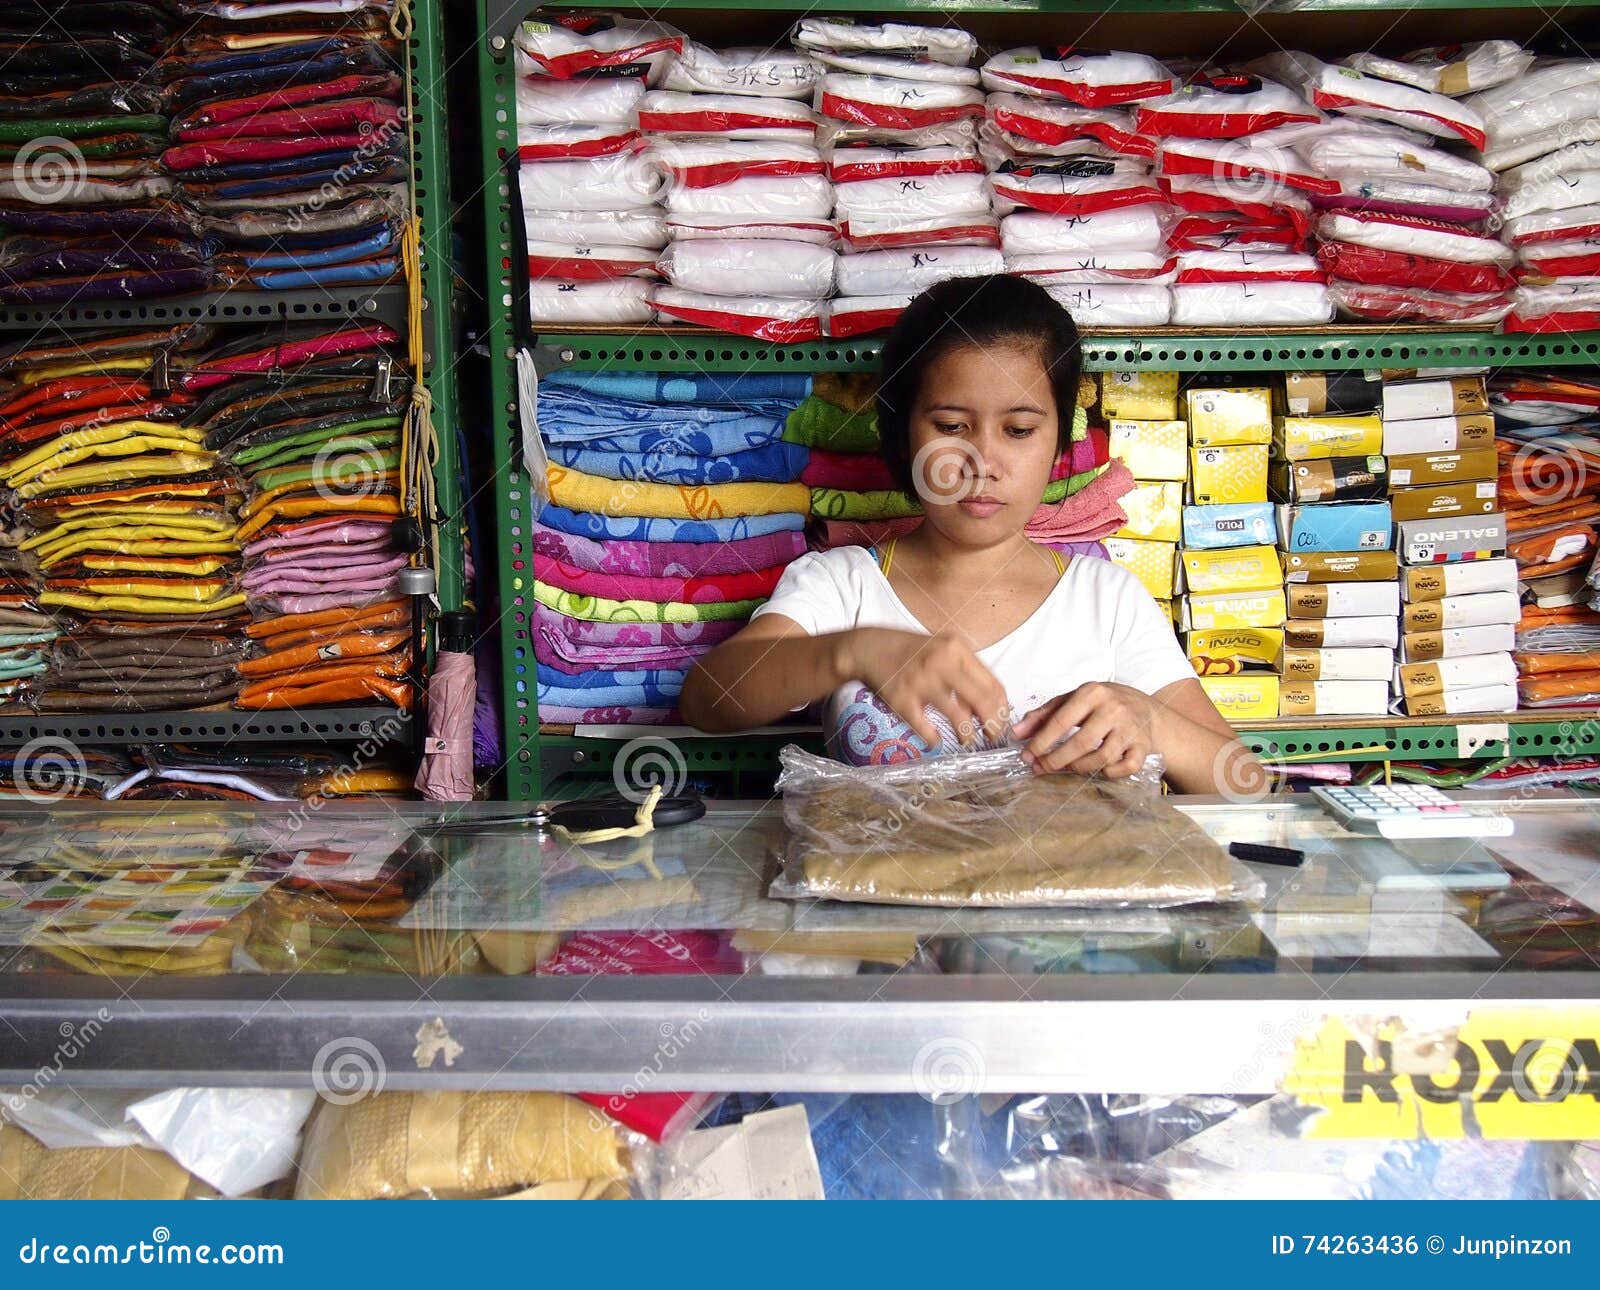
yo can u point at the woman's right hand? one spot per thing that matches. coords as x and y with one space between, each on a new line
910 671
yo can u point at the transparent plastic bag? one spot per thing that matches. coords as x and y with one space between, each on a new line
982 830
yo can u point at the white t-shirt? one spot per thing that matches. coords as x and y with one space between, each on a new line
1097 624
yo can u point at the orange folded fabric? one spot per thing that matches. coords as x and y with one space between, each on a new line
354 645
1577 686
320 623
1554 664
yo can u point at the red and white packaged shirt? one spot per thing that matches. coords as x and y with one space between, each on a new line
935 44
1134 228
1450 69
1087 78
882 273
1430 238
818 232
905 67
1530 147
1397 198
750 267
858 162
592 263
1570 304
786 321
894 104
1225 232
643 227
1227 304
553 301
613 183
1575 224
1373 267
1579 259
1255 197
572 142
1228 161
832 135
767 73
1379 155
1054 125
1409 304
1248 266
1554 93
1576 189
1224 107
1076 187
1106 268
917 198
709 163
542 101
1343 89
732 116
583 43
889 231
1119 305
862 315
796 197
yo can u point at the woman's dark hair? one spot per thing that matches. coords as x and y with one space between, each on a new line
996 309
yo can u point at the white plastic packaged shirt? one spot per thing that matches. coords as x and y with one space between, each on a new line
933 195
1045 124
852 164
1105 268
795 197
818 232
710 163
1412 236
1343 89
620 182
1223 304
730 116
1414 199
1248 266
1377 156
572 141
1577 188
1503 156
589 262
893 103
1450 69
1259 158
543 101
900 66
1580 259
784 320
1088 79
883 273
1118 305
643 227
1552 94
1224 107
1077 187
1568 304
768 73
1572 160
1577 223
1134 228
1255 195
936 44
621 300
563 52
885 232
862 315
750 267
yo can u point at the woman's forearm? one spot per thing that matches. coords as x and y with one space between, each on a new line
744 683
1200 759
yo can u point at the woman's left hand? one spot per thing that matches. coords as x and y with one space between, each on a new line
1115 727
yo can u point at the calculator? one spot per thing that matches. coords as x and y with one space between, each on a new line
1408 811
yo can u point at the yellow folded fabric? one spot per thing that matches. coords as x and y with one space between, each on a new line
138 365
29 1170
89 436
332 492
80 525
578 491
121 563
130 545
293 508
190 591
133 446
182 463
135 604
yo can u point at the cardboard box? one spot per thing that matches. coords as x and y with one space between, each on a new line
1454 642
1424 469
1340 566
1230 610
1213 528
1312 393
1336 526
1438 501
1334 479
1249 645
1222 476
1224 418
1341 633
1452 396
1142 396
1249 697
1462 611
1153 563
1242 568
1475 578
1303 438
1456 703
1463 672
1343 599
1438 435
1354 663
1470 537
1151 449
1154 511
1333 698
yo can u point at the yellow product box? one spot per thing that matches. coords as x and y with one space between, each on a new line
1260 645
1240 568
1250 697
1154 511
1223 475
1153 563
1144 396
1151 449
1221 418
1305 438
1230 610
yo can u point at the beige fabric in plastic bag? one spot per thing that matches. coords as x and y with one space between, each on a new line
981 829
405 1144
29 1170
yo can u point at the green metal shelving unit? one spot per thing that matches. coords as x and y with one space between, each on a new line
559 761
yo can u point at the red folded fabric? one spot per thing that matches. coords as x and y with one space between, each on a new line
1397 269
1093 512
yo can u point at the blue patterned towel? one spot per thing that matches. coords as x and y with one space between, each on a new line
748 389
777 463
637 528
615 425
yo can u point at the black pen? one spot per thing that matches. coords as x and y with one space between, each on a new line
1261 854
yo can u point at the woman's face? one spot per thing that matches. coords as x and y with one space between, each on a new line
984 434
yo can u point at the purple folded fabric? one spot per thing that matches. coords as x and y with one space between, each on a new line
312 558
610 716
571 636
668 559
333 535
342 600
551 651
291 577
1095 550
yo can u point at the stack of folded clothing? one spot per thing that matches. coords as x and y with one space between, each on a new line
674 509
590 197
1544 134
288 139
1558 657
313 427
1073 174
130 518
83 203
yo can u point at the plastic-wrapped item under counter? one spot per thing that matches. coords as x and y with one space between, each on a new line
981 829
